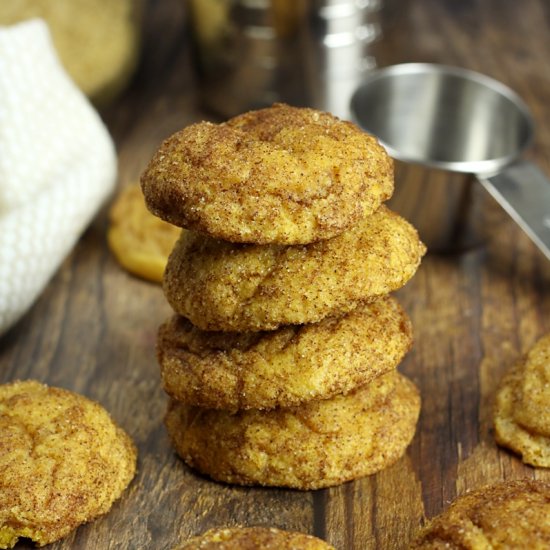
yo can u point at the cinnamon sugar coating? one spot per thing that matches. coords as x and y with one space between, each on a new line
522 406
285 367
533 408
318 444
228 287
281 175
505 516
254 538
63 462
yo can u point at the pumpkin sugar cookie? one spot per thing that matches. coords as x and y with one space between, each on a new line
63 462
505 516
318 444
264 538
533 408
280 175
522 406
222 286
140 241
285 367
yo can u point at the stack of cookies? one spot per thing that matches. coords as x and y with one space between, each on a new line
281 359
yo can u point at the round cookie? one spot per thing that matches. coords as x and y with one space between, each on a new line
522 407
223 286
97 40
63 462
510 514
266 538
533 407
319 444
282 368
283 175
140 241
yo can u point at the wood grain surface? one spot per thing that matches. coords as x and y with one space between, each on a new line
475 307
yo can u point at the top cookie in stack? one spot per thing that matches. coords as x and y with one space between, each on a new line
281 358
281 175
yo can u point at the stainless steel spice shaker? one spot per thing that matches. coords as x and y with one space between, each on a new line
252 53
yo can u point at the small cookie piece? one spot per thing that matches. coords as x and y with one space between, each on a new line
522 407
319 444
264 538
282 368
281 175
223 286
140 241
507 515
63 462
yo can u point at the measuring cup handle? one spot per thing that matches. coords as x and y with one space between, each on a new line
524 192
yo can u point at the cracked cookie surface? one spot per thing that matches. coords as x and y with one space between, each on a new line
228 287
318 444
63 462
522 406
285 367
282 175
505 516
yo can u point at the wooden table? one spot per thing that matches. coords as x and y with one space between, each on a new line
474 311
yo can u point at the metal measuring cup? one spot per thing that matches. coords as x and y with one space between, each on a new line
459 120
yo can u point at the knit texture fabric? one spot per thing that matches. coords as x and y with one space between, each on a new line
57 165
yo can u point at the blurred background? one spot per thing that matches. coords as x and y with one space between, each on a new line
228 56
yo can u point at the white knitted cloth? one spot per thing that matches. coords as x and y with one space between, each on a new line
57 165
